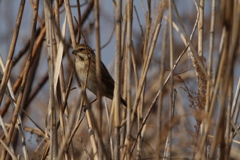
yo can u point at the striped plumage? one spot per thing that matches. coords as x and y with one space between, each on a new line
85 63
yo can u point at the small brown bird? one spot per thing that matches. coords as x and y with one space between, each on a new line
85 61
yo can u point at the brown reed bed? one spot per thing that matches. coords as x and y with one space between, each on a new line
176 65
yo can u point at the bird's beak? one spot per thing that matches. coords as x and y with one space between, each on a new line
74 52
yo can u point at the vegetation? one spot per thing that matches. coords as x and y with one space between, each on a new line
176 63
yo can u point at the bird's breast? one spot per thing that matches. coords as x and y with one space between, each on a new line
84 72
81 69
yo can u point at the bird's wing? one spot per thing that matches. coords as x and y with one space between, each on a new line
106 77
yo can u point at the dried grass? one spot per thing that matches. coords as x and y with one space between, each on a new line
173 111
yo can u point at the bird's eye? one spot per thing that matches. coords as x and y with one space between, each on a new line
81 49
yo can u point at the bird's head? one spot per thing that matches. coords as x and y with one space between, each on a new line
83 52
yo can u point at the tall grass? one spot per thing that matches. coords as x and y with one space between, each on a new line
176 67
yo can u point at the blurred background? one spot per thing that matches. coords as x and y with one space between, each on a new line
176 123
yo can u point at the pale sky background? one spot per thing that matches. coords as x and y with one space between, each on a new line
9 10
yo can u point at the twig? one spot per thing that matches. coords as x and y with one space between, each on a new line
8 150
51 106
117 84
157 95
11 50
70 22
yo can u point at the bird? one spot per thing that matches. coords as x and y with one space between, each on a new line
85 66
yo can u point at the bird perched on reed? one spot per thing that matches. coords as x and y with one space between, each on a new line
85 65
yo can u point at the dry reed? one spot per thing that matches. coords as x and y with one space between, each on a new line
181 87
